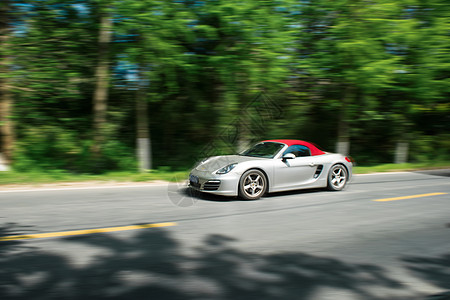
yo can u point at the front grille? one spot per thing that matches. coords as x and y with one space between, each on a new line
211 185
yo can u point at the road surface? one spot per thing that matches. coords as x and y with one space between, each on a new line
387 236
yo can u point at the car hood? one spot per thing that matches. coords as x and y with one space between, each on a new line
214 163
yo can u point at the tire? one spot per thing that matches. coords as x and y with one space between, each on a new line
252 185
337 177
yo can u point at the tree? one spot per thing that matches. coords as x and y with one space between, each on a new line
93 78
52 53
421 86
6 100
247 47
102 77
343 47
148 29
143 140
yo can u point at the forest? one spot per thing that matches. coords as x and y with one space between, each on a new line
89 86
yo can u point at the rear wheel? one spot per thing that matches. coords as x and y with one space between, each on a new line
337 177
252 185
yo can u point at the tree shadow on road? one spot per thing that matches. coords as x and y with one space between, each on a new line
12 229
435 270
151 264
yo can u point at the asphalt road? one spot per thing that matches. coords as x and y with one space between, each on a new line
310 244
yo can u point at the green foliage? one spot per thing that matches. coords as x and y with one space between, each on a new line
53 149
381 67
59 176
430 148
437 164
46 148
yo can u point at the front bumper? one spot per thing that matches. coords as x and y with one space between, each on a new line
226 185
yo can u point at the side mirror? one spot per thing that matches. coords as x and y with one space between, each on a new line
288 156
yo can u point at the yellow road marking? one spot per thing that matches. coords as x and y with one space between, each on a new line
409 197
81 232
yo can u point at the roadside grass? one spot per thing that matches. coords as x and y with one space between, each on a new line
164 174
401 167
37 177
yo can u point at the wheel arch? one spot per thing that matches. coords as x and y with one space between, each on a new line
261 170
343 164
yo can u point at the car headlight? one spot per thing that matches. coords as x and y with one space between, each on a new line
226 169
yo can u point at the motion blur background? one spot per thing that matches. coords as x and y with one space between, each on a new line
87 84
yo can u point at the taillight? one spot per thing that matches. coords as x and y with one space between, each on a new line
349 159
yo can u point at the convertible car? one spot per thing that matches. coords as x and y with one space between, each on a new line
271 166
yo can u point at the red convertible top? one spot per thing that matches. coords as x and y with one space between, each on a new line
312 147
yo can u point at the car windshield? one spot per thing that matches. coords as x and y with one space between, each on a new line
266 150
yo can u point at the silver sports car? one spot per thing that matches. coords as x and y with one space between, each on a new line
271 166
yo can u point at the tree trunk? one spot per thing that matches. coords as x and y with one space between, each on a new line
6 100
143 142
343 140
6 128
401 153
102 82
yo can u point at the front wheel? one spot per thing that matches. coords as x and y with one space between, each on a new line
337 178
252 185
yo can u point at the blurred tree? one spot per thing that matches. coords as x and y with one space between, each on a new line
375 73
102 76
54 63
248 46
344 60
421 43
6 100
152 33
143 140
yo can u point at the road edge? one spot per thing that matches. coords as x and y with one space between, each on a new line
82 185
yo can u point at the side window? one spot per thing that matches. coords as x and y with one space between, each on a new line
298 150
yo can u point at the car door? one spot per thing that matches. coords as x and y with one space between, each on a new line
296 172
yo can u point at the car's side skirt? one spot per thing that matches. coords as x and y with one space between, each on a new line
316 184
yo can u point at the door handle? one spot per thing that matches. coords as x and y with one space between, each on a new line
312 164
